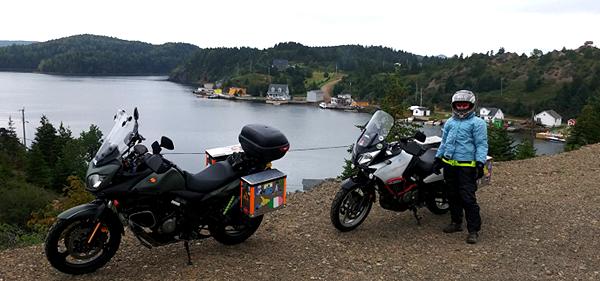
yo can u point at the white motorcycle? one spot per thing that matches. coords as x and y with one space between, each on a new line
400 172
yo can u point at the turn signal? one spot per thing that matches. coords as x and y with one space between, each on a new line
152 180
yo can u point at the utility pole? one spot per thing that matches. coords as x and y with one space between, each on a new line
416 91
23 119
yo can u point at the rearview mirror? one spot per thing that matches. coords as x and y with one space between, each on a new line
156 148
420 136
167 143
136 114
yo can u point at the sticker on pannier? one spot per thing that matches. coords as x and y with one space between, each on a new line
263 192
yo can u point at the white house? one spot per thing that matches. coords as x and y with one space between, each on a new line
419 111
279 92
314 96
548 118
489 114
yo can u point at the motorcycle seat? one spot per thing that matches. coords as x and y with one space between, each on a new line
425 163
211 178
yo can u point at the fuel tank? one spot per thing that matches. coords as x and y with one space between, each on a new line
170 180
395 169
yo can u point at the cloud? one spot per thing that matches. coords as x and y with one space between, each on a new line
559 6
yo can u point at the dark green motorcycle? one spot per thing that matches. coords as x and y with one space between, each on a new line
159 202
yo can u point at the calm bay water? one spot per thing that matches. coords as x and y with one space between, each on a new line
542 147
194 124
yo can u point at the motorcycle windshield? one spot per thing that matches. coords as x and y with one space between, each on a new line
118 140
376 130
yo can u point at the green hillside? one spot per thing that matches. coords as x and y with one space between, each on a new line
227 64
518 84
95 55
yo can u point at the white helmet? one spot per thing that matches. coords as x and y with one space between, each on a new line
463 103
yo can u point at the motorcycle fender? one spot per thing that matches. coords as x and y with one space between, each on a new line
86 210
350 183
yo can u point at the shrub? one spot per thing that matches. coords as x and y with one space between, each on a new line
19 200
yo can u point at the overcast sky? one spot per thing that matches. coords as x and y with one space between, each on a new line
425 27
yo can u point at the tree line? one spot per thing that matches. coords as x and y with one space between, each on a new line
95 55
36 184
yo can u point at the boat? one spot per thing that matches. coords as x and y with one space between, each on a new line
550 136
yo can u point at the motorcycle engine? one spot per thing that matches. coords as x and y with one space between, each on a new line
147 220
168 225
399 195
410 197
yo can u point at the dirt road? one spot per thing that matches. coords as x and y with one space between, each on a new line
328 87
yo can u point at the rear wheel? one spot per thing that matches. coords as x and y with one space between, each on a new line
350 208
438 204
81 245
237 230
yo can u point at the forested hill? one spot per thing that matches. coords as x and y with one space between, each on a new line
18 42
519 84
95 55
224 63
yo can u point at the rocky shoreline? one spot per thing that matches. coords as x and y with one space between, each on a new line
540 221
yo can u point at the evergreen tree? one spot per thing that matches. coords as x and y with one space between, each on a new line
36 169
11 149
46 140
525 150
43 155
70 163
64 136
11 153
500 144
349 170
587 128
90 142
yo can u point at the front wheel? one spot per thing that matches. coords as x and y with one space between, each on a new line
81 245
350 208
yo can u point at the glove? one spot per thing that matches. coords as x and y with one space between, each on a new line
479 170
438 164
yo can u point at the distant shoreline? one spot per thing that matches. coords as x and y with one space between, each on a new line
85 74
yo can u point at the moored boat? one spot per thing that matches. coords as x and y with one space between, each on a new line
550 136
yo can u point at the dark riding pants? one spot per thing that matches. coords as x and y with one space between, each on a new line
461 195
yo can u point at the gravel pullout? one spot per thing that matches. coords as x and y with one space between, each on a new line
541 221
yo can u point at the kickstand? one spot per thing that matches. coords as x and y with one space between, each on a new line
186 244
417 217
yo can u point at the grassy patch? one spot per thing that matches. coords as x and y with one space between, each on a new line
318 77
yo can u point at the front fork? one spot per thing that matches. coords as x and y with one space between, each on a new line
363 182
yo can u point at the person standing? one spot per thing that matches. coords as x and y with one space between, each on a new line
462 155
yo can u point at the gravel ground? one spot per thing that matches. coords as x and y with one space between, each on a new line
540 222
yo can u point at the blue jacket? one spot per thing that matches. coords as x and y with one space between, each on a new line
464 139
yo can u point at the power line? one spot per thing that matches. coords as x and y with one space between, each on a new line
291 150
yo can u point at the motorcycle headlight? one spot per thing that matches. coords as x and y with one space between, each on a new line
94 181
365 158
